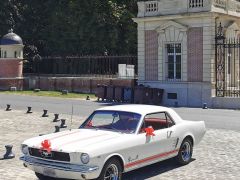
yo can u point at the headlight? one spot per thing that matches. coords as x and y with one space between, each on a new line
84 158
24 149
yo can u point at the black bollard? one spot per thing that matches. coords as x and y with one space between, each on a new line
88 98
205 106
57 129
29 110
56 116
63 125
9 154
8 107
45 113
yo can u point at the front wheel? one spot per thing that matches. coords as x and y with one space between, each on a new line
185 152
112 170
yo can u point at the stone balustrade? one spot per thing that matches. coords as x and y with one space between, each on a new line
195 3
220 3
166 7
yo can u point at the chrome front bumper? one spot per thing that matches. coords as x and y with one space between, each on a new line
59 166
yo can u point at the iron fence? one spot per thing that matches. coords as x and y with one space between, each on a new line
227 65
86 65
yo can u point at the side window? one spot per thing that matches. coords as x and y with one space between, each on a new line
158 121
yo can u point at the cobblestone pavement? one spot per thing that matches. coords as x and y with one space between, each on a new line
216 157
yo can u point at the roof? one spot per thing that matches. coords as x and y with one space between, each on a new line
143 110
136 108
11 39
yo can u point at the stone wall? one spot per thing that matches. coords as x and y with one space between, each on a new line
195 54
151 55
10 68
7 83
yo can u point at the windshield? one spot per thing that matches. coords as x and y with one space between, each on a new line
125 122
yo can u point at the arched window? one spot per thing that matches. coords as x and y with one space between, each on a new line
15 54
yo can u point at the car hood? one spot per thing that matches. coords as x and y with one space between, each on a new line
77 140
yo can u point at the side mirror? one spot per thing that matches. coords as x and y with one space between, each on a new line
149 131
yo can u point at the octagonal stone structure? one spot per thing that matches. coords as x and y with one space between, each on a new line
11 61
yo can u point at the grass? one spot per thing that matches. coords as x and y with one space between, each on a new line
50 94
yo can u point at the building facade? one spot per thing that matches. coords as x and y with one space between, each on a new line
178 51
11 62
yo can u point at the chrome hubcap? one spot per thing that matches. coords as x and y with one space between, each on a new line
186 151
111 172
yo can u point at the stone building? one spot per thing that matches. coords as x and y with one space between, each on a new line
190 48
11 61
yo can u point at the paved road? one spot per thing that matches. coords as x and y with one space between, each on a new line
215 158
216 119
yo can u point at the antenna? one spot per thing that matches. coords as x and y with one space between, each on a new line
71 118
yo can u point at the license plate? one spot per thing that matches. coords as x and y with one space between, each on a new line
49 172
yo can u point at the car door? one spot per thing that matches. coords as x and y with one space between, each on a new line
156 147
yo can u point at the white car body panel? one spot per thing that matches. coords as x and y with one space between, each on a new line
135 150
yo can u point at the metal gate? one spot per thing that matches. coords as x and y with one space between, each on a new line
227 65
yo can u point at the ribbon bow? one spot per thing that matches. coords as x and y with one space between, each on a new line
46 145
149 131
89 124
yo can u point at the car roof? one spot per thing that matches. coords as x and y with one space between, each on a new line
136 108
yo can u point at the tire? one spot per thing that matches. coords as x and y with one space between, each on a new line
112 170
185 152
42 177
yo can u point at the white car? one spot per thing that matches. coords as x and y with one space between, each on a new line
113 140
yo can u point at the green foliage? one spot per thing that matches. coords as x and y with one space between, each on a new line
72 27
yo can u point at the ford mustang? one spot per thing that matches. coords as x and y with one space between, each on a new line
111 141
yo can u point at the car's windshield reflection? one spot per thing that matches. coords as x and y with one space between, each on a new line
120 121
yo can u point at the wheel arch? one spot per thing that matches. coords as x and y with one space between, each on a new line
118 157
189 136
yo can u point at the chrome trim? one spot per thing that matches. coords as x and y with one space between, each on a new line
59 165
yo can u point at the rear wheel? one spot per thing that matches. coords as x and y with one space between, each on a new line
185 152
112 170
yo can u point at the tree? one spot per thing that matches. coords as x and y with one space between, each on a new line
72 27
8 12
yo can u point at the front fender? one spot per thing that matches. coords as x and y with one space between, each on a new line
117 155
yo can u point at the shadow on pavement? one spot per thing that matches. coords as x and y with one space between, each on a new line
152 170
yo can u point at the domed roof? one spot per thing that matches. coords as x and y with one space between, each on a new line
11 38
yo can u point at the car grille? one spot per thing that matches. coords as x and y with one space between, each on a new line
54 155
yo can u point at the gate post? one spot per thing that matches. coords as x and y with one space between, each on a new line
220 61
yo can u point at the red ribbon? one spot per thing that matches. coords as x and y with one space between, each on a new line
89 124
149 131
46 145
